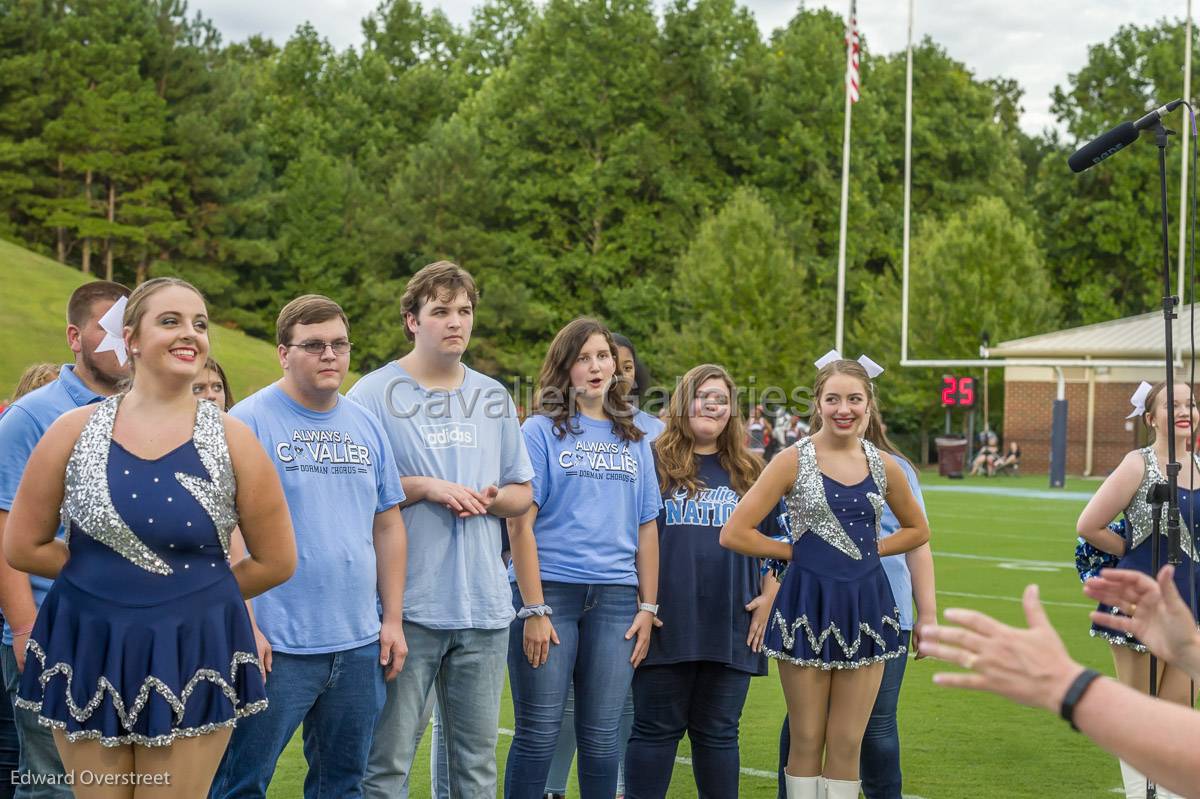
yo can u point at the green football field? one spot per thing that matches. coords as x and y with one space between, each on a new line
988 546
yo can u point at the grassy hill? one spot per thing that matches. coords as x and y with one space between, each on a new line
33 307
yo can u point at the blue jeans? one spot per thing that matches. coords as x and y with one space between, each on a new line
10 748
879 761
701 698
337 696
38 752
466 669
564 752
591 621
439 767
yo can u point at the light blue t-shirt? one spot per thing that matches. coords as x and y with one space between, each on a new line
652 426
337 473
592 490
895 565
21 428
468 436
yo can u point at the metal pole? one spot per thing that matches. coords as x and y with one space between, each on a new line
1183 155
841 273
908 94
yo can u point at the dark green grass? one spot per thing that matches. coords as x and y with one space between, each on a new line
955 744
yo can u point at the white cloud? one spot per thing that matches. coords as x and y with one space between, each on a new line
1037 42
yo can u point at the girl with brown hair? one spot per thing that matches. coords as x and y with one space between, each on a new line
1126 491
834 621
211 384
714 601
584 564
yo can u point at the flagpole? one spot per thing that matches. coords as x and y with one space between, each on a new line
1186 139
908 96
841 274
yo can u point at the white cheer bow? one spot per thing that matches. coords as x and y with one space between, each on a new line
1138 400
873 369
113 324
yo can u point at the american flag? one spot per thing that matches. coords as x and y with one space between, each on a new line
853 47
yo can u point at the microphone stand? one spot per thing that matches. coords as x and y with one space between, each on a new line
1171 488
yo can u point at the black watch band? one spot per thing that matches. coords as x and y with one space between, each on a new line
1078 688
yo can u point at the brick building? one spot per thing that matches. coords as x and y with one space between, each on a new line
1098 435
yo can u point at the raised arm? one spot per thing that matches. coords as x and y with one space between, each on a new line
263 515
740 532
1031 666
1113 496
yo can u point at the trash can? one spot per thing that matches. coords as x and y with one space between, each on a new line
951 454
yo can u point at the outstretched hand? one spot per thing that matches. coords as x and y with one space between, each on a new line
1154 611
1030 666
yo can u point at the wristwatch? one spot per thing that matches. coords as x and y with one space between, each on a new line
646 606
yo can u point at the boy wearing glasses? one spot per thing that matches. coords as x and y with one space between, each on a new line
325 649
458 444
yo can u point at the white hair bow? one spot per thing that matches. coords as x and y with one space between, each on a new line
1138 400
873 369
113 323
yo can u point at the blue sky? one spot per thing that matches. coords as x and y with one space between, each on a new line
1037 42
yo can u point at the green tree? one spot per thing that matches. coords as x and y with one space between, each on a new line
1100 228
980 269
738 299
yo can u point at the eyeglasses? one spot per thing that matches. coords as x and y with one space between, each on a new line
318 347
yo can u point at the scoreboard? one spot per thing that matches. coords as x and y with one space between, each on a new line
958 392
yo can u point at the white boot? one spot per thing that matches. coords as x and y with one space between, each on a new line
1135 782
802 787
841 789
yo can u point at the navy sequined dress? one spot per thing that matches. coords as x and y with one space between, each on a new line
144 636
1139 555
835 609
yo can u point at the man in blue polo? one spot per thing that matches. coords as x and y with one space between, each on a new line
92 377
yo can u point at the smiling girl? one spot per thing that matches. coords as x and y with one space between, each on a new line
1125 491
142 658
585 564
834 621
715 602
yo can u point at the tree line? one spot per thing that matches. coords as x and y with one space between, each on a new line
676 174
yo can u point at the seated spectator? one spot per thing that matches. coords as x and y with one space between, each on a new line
985 459
1011 459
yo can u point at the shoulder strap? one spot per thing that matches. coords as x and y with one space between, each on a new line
875 465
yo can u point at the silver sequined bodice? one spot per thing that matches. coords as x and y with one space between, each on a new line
1139 515
87 501
808 508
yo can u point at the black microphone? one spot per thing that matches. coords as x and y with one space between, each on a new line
1107 144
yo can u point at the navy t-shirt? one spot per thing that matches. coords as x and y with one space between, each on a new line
703 588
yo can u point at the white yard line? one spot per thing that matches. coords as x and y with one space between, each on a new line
1039 564
1016 599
